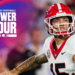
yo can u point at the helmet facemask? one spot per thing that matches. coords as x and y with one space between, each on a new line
53 31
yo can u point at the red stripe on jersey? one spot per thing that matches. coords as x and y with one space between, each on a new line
55 52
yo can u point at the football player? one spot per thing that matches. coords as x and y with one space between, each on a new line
59 49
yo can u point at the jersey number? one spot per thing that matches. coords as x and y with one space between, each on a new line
57 67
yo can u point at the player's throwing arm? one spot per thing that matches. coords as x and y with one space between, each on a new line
27 65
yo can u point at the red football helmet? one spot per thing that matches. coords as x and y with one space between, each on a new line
59 10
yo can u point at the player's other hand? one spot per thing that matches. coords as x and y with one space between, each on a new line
8 73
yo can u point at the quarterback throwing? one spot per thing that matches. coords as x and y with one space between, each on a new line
59 49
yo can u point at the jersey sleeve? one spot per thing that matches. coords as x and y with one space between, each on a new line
73 51
72 42
71 45
46 45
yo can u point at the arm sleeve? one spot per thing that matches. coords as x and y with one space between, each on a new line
46 46
73 51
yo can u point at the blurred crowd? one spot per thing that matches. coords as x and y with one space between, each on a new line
29 42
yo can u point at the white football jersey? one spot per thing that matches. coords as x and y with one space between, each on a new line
60 60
